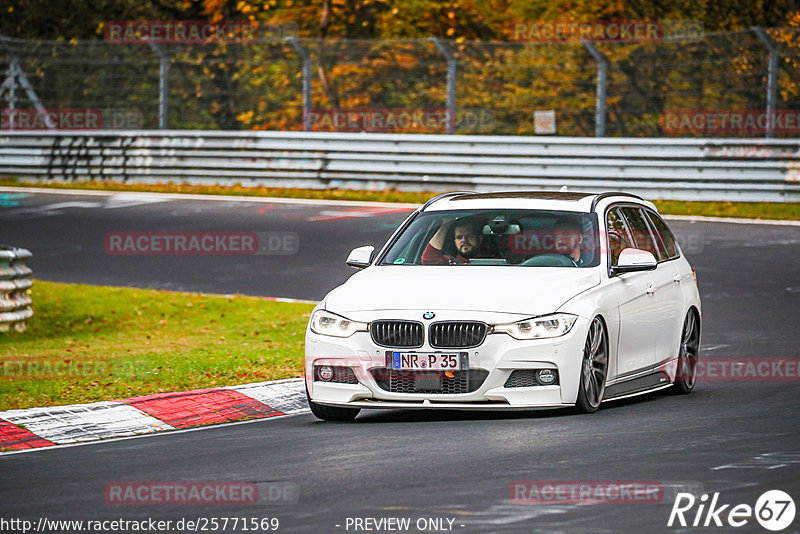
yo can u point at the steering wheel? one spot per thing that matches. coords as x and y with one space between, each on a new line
549 260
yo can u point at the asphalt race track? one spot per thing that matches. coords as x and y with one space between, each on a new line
738 438
66 234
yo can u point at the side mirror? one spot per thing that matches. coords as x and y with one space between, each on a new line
633 260
361 257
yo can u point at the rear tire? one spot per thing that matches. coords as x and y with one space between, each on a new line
594 368
331 413
688 355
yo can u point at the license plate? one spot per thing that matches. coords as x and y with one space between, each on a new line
422 361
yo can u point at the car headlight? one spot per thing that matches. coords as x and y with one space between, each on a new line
329 324
538 327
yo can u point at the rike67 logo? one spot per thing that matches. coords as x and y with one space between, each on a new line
774 510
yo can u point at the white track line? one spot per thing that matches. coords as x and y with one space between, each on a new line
733 220
223 198
320 202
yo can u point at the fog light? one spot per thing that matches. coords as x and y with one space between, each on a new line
546 377
325 373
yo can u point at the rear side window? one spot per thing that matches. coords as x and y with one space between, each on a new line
619 237
664 233
642 236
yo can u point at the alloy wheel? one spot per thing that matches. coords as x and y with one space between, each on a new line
594 368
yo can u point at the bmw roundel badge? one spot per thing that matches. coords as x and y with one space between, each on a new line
428 315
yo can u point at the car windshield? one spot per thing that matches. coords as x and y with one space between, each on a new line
511 237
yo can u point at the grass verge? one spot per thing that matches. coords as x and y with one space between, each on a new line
747 210
91 343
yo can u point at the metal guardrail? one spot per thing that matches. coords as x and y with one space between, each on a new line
683 169
15 304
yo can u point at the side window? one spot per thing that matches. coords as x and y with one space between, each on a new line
663 231
619 237
641 231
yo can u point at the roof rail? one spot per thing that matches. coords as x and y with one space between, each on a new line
607 194
443 195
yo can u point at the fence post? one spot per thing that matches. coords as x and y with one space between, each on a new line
163 86
602 75
772 78
10 86
295 42
451 82
16 76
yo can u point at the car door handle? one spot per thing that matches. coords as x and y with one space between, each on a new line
651 289
677 278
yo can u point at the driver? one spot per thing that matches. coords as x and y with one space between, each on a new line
567 239
467 239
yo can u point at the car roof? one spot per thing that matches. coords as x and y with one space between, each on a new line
545 200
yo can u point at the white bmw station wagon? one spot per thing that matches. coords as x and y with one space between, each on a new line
508 300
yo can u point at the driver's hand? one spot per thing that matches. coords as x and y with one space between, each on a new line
437 241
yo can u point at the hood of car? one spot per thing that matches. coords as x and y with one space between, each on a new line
519 290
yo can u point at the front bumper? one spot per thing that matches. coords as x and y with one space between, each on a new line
500 355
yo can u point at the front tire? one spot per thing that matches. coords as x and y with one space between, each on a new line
331 413
594 368
688 355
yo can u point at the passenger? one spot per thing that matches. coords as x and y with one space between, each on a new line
567 239
467 239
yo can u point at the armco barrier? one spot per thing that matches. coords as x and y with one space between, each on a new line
15 304
688 169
